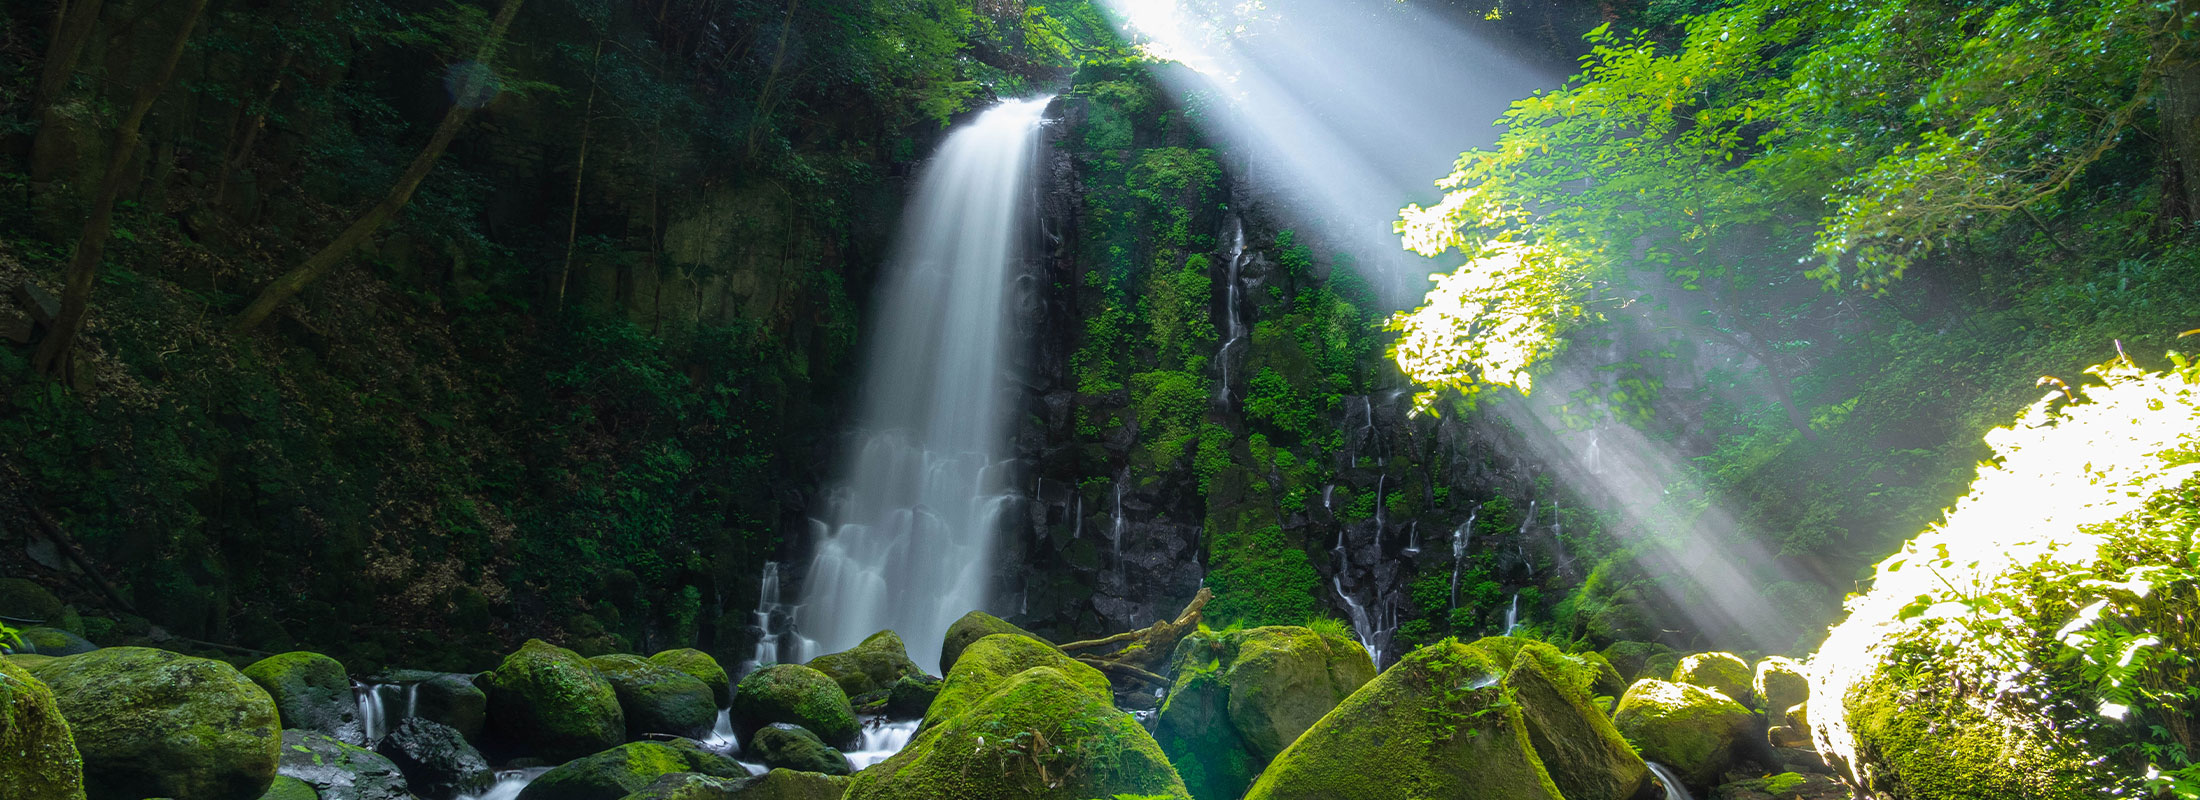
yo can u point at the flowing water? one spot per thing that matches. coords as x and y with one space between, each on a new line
508 785
1236 326
907 539
383 705
1512 615
1673 788
881 739
1460 538
776 642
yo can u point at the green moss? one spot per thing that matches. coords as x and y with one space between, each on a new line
990 662
41 758
1919 738
1585 755
1242 696
657 699
1725 673
312 692
626 769
796 695
151 723
969 629
870 666
289 788
554 702
704 668
1695 731
1779 684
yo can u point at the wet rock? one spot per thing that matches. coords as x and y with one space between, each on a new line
657 698
968 630
871 666
797 695
795 747
38 757
1637 660
450 698
340 771
289 788
1698 733
151 723
910 697
1242 697
549 702
23 599
1780 683
704 668
312 692
1580 748
691 786
787 784
436 760
626 769
55 642
1784 786
1724 673
992 661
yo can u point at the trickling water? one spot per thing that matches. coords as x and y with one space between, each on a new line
1236 327
1520 542
1673 788
1413 538
1079 531
376 715
775 643
881 739
1364 627
912 547
722 739
1379 504
1460 538
508 785
1115 528
1512 615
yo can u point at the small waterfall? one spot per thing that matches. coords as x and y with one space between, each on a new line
912 549
1379 504
881 740
1520 542
1512 615
1674 790
1078 532
776 643
378 715
1460 538
1236 326
509 784
1371 626
1115 528
1413 538
722 739
1328 503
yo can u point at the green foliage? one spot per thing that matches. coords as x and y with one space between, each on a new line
1260 579
1168 406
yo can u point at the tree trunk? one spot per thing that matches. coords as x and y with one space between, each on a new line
289 284
54 351
2180 106
580 169
75 21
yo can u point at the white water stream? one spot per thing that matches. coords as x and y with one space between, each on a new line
907 539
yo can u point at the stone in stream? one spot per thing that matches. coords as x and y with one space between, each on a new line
797 695
450 698
312 692
968 630
1038 734
795 747
1780 683
910 697
626 769
990 662
704 668
38 757
340 771
869 667
692 786
289 788
1581 750
1724 673
548 702
437 761
1436 724
657 699
151 723
1696 732
1241 697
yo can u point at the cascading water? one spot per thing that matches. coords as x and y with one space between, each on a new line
881 740
1673 788
1512 615
909 544
1460 538
1230 295
776 642
376 715
1520 542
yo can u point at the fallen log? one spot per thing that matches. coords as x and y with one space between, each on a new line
1144 653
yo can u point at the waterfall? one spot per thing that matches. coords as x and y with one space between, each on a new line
1367 628
881 740
1115 527
1673 788
1460 538
1230 295
1520 542
1512 615
911 548
1413 538
775 643
376 715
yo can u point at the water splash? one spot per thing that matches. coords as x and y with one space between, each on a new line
1672 783
509 784
881 740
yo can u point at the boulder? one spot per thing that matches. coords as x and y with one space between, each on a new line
151 723
1785 786
1436 724
1920 735
289 788
704 668
797 695
24 599
968 630
551 703
38 757
869 667
1242 697
312 692
911 696
1581 750
1040 734
795 747
1696 732
657 698
450 698
48 641
340 771
1724 673
787 784
626 769
691 786
1637 660
988 663
437 761
1780 683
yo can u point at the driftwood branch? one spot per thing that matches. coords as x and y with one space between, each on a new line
1145 651
1125 669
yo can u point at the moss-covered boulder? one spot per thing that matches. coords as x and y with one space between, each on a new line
1040 734
869 667
797 695
312 693
289 788
50 641
550 703
968 630
691 786
436 759
1434 725
450 698
658 699
795 747
38 757
1725 673
151 723
340 771
1780 684
911 696
1919 737
1637 660
1696 732
703 667
990 662
1580 749
626 769
1241 697
24 599
787 784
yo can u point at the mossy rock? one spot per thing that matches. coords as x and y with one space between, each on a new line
1040 734
787 784
691 786
289 788
1580 749
26 660
658 699
436 759
1696 732
795 747
312 692
989 663
22 598
1241 697
1607 682
338 770
450 698
1785 786
911 696
1435 726
151 723
38 757
704 668
48 641
626 769
1780 683
968 630
1725 673
1637 660
797 695
1918 737
550 702
869 667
